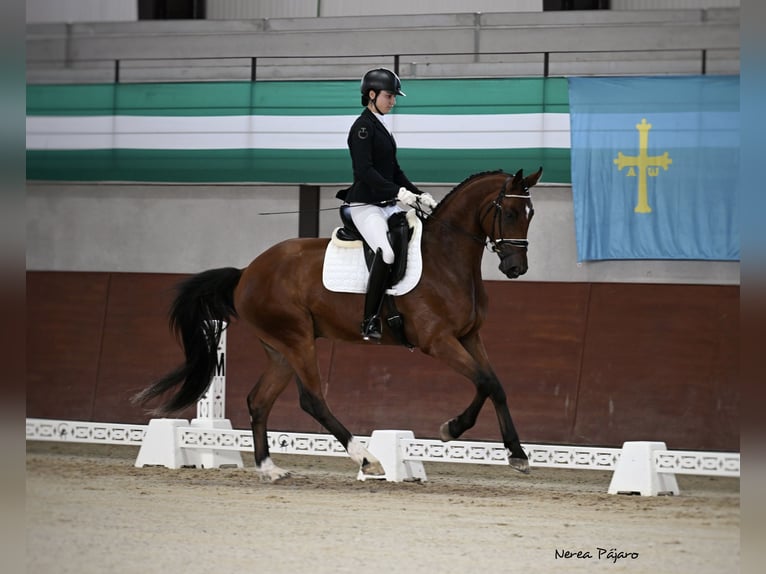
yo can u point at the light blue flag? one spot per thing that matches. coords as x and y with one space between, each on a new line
655 167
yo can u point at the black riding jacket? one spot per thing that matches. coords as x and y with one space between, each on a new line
377 175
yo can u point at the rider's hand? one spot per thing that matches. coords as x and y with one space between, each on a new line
407 197
427 200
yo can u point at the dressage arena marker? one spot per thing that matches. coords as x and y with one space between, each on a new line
639 467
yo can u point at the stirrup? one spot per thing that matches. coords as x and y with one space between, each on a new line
372 328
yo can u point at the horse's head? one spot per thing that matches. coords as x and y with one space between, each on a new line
506 222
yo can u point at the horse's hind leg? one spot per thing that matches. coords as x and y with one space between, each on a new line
313 402
260 400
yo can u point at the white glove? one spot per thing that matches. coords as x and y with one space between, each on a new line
427 200
407 197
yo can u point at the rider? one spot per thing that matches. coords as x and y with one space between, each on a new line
379 183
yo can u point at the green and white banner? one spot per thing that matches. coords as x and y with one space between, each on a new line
291 132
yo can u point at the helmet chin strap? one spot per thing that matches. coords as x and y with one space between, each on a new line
375 105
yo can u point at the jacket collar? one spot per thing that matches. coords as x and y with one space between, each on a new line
378 121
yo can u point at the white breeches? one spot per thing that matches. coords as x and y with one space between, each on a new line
372 223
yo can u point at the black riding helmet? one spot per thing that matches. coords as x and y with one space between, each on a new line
380 79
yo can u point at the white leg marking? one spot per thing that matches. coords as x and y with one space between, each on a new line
359 454
269 471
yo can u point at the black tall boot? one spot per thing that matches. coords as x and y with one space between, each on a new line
376 289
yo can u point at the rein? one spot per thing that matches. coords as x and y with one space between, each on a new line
446 225
497 218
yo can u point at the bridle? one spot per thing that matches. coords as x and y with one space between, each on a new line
497 218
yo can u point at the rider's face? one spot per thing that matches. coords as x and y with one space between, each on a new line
385 100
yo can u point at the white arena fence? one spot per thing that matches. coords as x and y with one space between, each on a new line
640 467
208 441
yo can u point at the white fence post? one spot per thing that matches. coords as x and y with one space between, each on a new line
386 446
636 473
211 413
160 445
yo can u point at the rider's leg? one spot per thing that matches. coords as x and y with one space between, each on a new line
371 221
377 284
398 231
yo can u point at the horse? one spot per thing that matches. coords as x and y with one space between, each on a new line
281 296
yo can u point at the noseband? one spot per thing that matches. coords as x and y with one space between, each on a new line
497 218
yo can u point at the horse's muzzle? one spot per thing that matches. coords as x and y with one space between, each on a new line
513 265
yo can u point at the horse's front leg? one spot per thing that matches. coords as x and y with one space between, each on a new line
469 357
517 458
455 427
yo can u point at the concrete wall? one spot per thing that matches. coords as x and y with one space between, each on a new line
121 10
242 9
433 45
40 11
671 4
185 229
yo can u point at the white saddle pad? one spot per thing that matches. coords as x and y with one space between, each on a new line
345 271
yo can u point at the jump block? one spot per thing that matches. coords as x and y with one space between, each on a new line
635 472
384 444
211 457
160 446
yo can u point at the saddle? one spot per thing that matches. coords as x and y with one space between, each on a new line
399 235
348 258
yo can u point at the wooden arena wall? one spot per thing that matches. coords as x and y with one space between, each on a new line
582 363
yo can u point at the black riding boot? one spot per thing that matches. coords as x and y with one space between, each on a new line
376 289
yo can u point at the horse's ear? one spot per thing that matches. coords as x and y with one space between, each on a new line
518 177
534 178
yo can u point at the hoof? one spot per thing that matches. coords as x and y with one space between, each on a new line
444 433
270 472
274 477
373 469
520 464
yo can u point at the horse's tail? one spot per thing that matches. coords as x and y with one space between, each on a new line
202 303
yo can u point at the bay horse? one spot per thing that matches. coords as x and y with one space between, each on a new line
281 295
